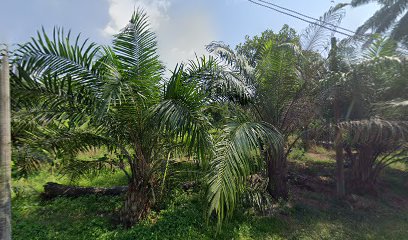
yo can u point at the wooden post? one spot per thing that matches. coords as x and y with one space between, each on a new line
5 151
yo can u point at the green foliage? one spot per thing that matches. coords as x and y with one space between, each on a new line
27 160
392 15
180 217
316 36
224 112
296 154
91 97
236 153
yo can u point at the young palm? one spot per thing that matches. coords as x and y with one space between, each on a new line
231 148
111 89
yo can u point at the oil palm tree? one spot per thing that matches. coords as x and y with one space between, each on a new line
260 107
116 93
283 69
393 15
112 89
233 149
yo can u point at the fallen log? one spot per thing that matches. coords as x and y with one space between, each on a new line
53 190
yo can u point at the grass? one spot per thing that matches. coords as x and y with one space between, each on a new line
312 214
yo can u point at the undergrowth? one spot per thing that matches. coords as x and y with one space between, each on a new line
181 214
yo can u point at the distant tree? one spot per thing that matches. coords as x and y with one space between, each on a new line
364 94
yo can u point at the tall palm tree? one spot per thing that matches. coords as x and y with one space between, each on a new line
393 15
5 151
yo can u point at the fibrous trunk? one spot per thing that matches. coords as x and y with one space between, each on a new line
363 171
340 181
137 203
277 174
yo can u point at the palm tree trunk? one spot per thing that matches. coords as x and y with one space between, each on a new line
137 203
5 152
277 171
340 182
139 199
363 171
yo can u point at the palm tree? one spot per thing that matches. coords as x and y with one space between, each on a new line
260 107
379 143
115 92
283 69
5 151
111 89
233 150
362 78
392 15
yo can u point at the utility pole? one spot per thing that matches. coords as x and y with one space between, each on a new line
338 142
5 150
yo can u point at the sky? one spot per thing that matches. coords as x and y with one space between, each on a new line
183 27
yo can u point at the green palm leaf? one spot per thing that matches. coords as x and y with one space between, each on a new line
315 36
236 78
182 113
135 54
59 56
50 97
392 15
235 154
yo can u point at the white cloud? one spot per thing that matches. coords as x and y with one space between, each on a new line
179 37
120 12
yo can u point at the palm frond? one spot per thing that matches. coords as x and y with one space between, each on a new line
74 168
235 153
236 61
50 97
181 113
27 160
380 47
376 131
57 55
68 141
316 36
134 52
356 3
219 82
399 31
384 18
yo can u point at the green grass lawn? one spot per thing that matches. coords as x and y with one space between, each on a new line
310 214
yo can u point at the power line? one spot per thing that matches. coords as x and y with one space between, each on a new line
306 16
302 19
